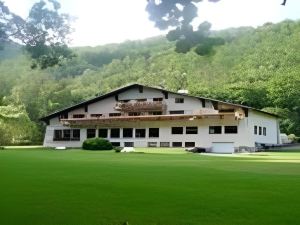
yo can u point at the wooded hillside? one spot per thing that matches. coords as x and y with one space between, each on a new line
256 67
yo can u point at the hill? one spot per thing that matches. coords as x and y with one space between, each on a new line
256 67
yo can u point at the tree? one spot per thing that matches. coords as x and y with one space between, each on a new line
44 33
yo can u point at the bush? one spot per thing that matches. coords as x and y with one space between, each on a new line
118 149
97 144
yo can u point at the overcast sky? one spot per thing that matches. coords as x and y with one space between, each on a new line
110 21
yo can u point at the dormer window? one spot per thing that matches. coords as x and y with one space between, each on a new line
179 100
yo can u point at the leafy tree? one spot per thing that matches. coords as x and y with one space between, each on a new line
44 33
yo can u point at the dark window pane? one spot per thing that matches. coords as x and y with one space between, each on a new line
157 99
134 114
259 130
155 113
127 132
140 133
255 129
231 129
215 129
57 135
78 116
191 130
115 144
177 130
102 133
115 132
153 132
152 144
128 144
114 114
177 112
189 144
265 131
164 144
177 144
179 100
76 134
91 133
96 115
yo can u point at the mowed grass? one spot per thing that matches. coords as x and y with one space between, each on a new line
43 187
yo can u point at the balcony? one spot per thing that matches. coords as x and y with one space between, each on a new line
140 106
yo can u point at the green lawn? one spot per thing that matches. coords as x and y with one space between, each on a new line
75 187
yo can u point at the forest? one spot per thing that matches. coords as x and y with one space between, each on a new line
258 67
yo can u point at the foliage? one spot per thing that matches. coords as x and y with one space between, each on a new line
97 144
44 33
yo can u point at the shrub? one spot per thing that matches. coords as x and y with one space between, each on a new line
118 149
97 144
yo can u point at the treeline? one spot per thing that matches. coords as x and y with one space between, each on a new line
256 67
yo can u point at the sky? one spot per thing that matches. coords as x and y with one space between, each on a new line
112 21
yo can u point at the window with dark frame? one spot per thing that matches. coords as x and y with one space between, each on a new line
66 134
76 134
115 132
164 144
259 130
179 100
96 115
231 129
134 114
57 135
153 132
127 132
128 144
157 99
215 129
265 131
152 144
255 130
189 144
176 112
103 133
191 130
176 144
77 116
140 133
155 113
90 133
177 130
114 114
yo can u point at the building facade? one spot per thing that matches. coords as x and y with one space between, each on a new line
141 116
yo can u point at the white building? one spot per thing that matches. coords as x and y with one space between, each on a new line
142 116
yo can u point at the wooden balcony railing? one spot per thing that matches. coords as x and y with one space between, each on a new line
140 106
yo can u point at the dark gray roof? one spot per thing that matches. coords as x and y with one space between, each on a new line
122 89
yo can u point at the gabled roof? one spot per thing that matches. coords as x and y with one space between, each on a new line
122 89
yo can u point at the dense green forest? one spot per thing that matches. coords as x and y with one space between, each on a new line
256 67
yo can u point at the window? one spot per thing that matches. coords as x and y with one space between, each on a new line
179 100
265 131
115 144
231 129
152 144
66 134
134 114
157 99
189 144
191 130
177 112
78 116
96 115
128 144
141 100
140 133
115 132
63 116
76 134
255 130
259 130
102 133
155 113
177 144
114 114
164 144
153 132
215 129
57 135
177 130
127 132
90 133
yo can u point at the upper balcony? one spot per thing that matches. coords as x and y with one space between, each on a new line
144 106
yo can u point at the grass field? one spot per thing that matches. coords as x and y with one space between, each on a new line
75 187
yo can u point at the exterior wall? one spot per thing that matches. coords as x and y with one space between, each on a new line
260 119
202 139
